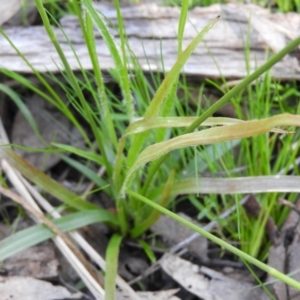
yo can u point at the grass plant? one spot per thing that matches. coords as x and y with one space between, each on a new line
146 159
281 5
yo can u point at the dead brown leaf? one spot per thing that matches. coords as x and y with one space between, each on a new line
284 255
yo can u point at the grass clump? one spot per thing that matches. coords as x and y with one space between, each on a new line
144 159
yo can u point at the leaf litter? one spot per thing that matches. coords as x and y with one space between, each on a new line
200 281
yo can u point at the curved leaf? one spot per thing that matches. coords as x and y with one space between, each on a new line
210 136
111 257
174 122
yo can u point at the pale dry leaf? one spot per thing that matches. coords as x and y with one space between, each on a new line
285 257
253 209
5 231
237 185
160 295
25 15
173 232
187 240
27 288
276 259
8 9
130 265
37 261
208 284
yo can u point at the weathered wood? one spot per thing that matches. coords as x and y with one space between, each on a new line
8 9
151 33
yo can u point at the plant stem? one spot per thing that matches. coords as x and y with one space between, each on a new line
286 279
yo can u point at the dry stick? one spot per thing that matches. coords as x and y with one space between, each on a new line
92 284
82 242
40 218
51 210
182 244
289 204
78 265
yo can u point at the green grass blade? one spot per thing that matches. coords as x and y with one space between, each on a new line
124 78
261 284
85 170
142 226
119 168
171 77
147 249
82 153
104 108
74 82
114 51
17 77
40 233
165 88
285 278
111 258
168 105
44 181
181 24
21 106
28 84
